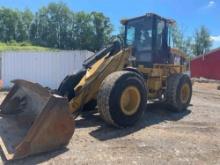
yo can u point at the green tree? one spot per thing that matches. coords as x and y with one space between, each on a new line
180 41
202 41
8 24
102 29
90 31
83 31
59 19
50 26
23 24
27 17
14 24
56 26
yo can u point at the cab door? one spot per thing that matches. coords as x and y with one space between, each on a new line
161 49
139 35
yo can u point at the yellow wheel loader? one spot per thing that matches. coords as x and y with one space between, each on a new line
118 80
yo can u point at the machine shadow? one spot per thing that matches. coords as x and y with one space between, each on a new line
155 113
34 159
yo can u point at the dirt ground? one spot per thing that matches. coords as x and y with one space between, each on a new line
161 137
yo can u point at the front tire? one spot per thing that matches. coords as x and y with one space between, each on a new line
122 98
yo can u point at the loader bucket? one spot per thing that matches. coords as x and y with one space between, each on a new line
32 120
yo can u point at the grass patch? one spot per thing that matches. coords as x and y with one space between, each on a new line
22 46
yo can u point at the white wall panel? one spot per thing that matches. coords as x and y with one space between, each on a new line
46 68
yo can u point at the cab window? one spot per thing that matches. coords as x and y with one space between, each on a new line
170 36
130 35
160 32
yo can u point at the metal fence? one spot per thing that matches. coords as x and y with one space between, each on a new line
46 68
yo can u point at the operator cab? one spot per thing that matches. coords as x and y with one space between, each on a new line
150 37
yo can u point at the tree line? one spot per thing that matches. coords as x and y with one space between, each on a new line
199 43
57 26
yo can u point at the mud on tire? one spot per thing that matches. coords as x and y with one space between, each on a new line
175 84
110 93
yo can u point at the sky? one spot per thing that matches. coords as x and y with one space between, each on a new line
189 14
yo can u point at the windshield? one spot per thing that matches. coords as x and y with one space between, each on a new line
139 34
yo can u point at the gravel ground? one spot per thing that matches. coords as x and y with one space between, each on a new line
161 137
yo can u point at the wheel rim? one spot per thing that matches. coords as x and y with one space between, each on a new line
185 93
130 100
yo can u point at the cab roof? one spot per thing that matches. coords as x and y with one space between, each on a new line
170 21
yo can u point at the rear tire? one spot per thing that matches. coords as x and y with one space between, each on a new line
122 98
178 92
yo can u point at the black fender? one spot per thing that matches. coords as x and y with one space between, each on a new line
132 69
68 84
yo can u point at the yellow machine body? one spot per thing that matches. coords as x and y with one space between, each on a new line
35 120
88 87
